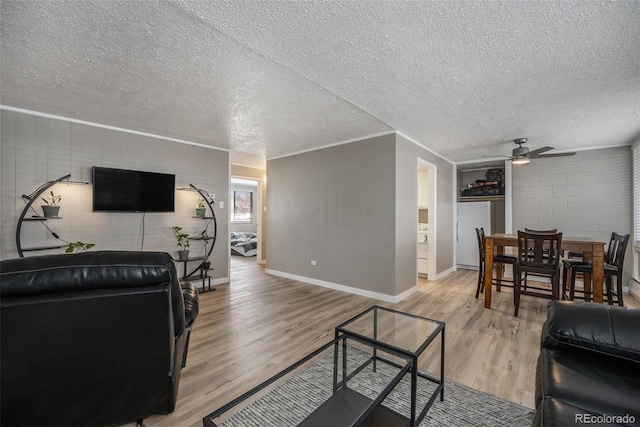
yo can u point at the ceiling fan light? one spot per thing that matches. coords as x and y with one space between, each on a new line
521 160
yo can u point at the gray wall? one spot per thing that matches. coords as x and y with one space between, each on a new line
406 202
353 208
336 206
37 149
589 195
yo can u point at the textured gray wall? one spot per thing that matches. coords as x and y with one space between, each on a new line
353 208
37 149
589 194
336 206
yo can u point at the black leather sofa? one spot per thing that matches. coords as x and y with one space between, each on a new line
92 339
589 366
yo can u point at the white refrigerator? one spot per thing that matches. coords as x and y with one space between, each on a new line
471 215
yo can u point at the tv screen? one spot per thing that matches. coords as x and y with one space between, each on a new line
120 190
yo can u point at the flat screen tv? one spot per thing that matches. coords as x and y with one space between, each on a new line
121 190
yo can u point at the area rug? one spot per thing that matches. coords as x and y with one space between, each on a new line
295 399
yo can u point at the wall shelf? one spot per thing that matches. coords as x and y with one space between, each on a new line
481 198
43 248
197 272
30 199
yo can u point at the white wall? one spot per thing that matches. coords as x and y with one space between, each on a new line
37 149
589 195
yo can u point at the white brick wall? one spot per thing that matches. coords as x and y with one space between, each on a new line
589 194
38 149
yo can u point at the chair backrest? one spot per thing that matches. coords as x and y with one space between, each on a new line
481 239
617 249
95 338
539 250
531 230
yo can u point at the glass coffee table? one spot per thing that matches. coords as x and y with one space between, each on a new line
403 335
346 381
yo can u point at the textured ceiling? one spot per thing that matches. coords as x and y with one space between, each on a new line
273 78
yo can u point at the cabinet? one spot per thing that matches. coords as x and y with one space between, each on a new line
423 253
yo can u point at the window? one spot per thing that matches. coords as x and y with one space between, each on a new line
242 203
636 211
636 193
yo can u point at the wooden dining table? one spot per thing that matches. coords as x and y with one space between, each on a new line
592 251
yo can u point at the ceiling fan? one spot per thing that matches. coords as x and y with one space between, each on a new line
522 155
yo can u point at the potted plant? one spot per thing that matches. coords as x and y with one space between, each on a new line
200 210
51 209
182 241
206 264
78 247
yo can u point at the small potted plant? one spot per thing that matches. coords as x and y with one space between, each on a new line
200 210
182 242
78 247
52 208
206 264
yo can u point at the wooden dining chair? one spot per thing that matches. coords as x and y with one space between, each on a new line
570 274
613 266
531 230
539 254
498 259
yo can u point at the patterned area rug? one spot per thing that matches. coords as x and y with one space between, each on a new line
295 399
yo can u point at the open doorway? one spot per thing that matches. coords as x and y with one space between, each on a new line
245 219
426 210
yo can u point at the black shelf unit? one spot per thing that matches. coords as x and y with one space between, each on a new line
29 199
200 272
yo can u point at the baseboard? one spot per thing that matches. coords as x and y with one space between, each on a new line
221 281
444 273
349 289
262 262
634 289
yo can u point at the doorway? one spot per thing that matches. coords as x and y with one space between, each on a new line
426 211
245 219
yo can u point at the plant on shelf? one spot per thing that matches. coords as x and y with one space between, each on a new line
52 208
205 262
200 210
78 247
183 242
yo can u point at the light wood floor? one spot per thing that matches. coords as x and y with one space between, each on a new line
258 324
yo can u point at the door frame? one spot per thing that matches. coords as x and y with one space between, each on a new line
432 228
258 208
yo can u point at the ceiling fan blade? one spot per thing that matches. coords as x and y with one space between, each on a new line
539 151
553 155
495 156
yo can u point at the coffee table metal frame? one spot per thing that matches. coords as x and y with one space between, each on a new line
377 343
342 333
374 404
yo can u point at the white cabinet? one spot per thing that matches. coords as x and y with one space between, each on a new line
422 253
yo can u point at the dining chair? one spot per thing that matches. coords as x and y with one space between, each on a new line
498 259
570 274
539 254
531 230
613 266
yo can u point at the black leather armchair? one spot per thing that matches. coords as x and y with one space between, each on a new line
92 339
589 366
